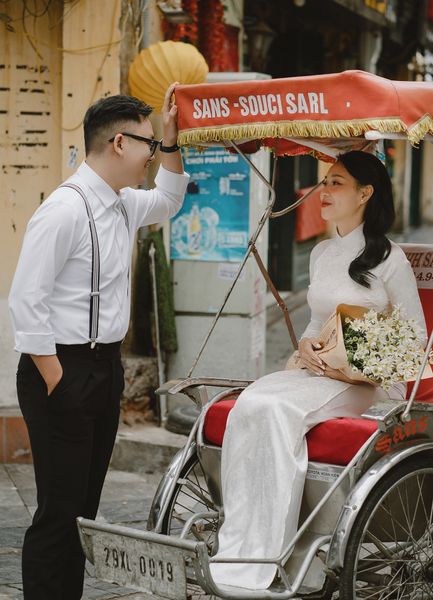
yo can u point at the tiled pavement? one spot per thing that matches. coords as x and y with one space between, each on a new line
126 499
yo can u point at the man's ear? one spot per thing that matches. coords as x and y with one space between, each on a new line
366 193
118 144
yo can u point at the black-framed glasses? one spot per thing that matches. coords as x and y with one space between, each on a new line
153 144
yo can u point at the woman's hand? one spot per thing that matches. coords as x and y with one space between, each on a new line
307 349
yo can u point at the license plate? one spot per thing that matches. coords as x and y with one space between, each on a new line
139 564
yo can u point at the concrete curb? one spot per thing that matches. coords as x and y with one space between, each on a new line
145 449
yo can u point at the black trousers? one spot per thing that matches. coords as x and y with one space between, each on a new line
72 433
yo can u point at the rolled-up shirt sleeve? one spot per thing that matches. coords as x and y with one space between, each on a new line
47 244
162 202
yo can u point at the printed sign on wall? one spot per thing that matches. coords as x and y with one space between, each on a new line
213 222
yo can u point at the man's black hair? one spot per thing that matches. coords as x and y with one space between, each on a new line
103 118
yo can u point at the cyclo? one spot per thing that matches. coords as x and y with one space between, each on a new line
366 524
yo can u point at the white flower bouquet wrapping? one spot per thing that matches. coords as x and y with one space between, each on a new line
384 348
370 347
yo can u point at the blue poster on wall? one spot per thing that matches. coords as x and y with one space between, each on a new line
213 222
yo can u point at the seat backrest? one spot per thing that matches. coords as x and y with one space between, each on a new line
420 257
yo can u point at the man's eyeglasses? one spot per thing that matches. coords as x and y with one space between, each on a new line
153 144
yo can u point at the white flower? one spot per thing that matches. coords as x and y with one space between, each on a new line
385 348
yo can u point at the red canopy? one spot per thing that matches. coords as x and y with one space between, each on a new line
321 113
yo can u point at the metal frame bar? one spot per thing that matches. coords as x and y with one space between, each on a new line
137 534
251 243
196 517
285 211
161 375
247 594
277 297
323 148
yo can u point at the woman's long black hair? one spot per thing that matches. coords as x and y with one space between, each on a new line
379 213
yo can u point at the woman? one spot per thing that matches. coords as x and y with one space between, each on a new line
264 455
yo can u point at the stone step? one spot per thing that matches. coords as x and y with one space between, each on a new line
145 448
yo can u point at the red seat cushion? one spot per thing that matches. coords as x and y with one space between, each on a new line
336 441
216 420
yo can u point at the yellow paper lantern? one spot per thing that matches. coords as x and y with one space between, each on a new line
161 64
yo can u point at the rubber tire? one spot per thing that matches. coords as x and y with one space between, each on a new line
409 466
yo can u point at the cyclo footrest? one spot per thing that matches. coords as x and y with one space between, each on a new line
142 560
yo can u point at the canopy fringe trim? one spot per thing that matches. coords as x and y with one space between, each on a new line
282 129
421 128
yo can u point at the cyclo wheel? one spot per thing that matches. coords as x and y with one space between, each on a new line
191 496
389 555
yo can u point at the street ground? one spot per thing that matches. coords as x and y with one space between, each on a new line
126 500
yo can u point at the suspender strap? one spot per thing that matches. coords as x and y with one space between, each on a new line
125 216
96 267
96 264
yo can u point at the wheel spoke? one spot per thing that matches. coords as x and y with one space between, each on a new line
192 496
428 517
394 553
402 527
198 493
379 545
409 529
196 498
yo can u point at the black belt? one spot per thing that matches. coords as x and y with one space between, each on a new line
96 351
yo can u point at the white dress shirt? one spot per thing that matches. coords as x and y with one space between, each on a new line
50 296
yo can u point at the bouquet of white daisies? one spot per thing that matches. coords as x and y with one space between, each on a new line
370 347
383 348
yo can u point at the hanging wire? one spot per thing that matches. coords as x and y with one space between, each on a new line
26 33
36 14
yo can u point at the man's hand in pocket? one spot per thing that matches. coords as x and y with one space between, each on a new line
50 369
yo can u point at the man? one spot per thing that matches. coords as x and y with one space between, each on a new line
70 310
